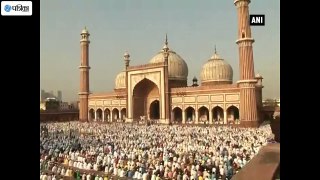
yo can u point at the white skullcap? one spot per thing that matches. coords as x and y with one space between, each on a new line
221 171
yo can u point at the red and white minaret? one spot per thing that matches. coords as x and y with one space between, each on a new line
84 75
166 81
248 103
126 57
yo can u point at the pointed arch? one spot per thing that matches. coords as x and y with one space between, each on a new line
123 113
99 115
154 110
232 113
190 114
91 114
144 94
177 115
107 114
217 113
115 114
203 114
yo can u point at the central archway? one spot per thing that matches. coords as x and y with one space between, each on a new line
155 110
145 96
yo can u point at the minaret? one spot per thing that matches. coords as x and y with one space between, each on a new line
84 75
259 87
126 57
248 103
166 80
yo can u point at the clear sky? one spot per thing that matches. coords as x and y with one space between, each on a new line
139 26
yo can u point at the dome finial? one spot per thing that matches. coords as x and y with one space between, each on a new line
215 55
85 30
126 55
126 58
166 39
165 47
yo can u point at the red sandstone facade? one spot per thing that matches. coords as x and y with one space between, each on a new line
158 90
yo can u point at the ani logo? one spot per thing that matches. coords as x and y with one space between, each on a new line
257 19
7 8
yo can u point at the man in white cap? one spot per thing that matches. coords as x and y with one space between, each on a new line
84 176
145 176
54 169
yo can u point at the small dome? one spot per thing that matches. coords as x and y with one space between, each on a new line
85 31
216 71
126 54
178 68
194 79
258 76
120 81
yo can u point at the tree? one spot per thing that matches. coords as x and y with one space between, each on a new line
270 102
52 104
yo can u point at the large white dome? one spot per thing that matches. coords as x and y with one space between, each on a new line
216 71
120 81
177 67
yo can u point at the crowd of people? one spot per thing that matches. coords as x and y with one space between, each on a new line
92 151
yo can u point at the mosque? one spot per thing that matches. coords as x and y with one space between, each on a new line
159 91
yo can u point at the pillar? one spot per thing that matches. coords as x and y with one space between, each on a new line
210 116
183 116
120 117
95 115
197 117
111 115
103 116
225 117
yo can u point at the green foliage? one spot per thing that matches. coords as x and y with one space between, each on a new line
270 102
52 104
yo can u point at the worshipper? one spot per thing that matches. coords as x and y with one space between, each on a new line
152 152
88 176
96 177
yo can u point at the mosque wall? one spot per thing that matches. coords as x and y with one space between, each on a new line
107 109
200 99
202 107
224 100
109 103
